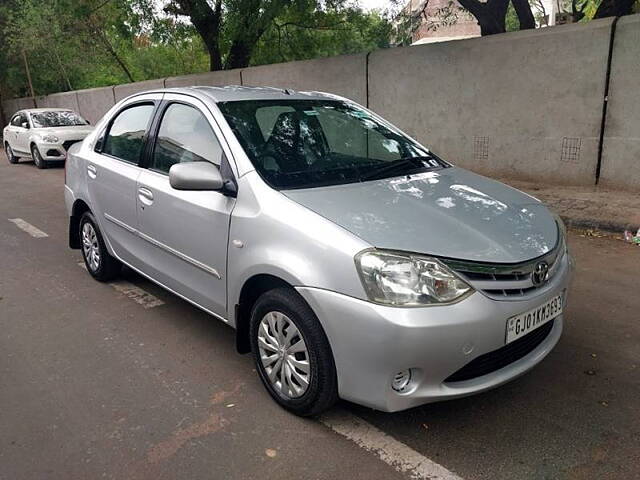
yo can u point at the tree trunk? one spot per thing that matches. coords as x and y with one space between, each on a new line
206 21
490 15
239 55
614 8
26 67
525 15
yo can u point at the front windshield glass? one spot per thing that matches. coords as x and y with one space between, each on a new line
311 143
57 119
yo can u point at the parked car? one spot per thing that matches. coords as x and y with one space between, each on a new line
351 260
44 134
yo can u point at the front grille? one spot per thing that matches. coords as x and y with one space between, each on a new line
68 144
53 153
507 281
492 361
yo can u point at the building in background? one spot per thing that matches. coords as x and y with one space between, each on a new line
440 21
428 21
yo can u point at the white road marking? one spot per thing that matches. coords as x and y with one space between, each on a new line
27 227
394 453
136 294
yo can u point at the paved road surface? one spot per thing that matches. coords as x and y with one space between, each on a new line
95 385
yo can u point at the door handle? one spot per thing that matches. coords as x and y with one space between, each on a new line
92 171
145 195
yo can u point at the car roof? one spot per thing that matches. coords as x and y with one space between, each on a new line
40 110
231 93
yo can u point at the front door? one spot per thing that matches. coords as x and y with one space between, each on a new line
187 231
22 134
112 175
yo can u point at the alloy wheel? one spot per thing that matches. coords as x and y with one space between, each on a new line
284 356
90 246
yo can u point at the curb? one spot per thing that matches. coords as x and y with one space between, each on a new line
603 225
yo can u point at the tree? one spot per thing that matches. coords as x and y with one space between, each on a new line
233 30
525 15
244 22
490 14
614 8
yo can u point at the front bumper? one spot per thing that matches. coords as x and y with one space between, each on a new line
371 343
52 152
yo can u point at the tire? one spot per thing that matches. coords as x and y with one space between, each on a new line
37 158
10 156
100 264
284 308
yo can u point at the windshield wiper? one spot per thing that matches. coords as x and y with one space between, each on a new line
400 166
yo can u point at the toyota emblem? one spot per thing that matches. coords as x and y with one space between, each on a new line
540 273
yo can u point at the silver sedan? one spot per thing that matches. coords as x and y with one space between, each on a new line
352 261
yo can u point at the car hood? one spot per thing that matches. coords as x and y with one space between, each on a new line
449 213
66 133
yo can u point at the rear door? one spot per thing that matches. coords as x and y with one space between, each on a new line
12 130
22 134
112 175
187 231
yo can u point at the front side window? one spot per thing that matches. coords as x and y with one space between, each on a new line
57 119
126 135
184 136
310 143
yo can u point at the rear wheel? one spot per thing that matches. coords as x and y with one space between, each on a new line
100 264
292 353
37 158
10 156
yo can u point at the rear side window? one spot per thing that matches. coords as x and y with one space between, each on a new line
16 121
126 135
184 136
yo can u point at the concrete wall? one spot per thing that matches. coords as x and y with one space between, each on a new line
59 100
524 105
621 152
123 91
511 105
13 105
344 75
93 103
211 79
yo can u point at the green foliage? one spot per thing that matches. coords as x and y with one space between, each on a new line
75 44
512 23
304 33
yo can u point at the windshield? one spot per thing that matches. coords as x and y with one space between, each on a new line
57 119
311 143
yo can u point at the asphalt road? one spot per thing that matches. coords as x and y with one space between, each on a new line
95 385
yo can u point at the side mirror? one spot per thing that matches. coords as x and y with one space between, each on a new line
195 176
25 125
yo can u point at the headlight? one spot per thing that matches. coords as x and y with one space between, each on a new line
408 280
50 139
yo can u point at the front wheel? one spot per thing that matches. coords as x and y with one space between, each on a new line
10 156
99 262
292 353
37 158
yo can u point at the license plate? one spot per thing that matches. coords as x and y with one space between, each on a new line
519 325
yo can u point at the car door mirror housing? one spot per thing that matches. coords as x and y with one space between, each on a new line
25 125
195 176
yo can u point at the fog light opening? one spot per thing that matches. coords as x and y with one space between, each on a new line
401 381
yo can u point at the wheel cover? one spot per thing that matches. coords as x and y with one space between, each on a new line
90 246
284 356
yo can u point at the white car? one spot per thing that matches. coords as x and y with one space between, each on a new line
44 134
